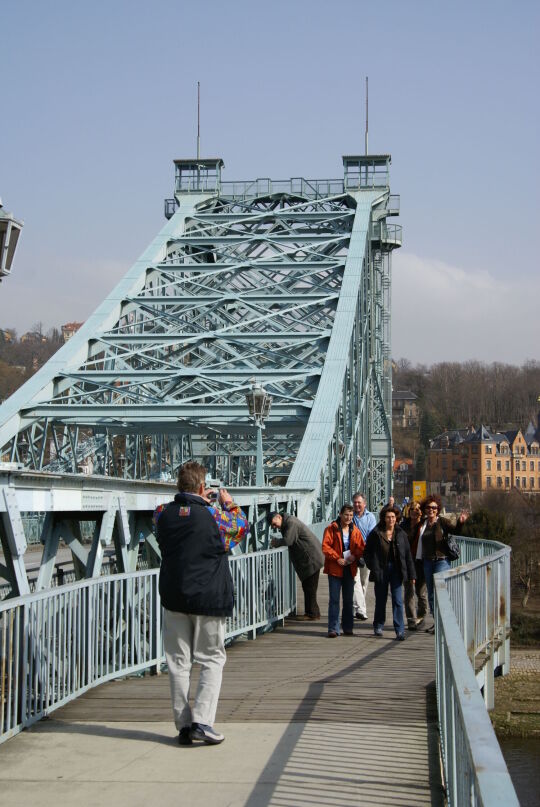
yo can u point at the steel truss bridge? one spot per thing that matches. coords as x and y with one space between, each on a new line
284 283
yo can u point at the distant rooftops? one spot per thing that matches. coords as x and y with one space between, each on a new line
403 395
482 434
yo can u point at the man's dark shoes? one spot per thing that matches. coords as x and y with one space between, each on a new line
358 615
411 626
332 634
400 637
199 731
348 633
184 736
378 632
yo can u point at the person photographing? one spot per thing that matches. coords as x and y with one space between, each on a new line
196 589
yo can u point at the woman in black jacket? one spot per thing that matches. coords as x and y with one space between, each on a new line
389 560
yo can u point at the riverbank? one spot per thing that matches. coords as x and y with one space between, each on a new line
517 696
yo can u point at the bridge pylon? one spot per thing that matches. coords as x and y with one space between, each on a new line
282 283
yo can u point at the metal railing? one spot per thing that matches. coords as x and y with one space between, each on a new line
306 188
387 233
297 186
472 628
57 644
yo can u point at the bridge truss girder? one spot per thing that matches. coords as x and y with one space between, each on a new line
285 286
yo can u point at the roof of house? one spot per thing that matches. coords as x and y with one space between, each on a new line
71 325
403 461
531 434
481 435
449 438
403 395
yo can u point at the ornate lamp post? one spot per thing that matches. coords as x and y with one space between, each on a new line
259 403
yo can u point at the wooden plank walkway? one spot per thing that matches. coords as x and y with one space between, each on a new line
308 720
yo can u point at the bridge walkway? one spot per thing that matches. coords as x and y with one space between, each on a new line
308 721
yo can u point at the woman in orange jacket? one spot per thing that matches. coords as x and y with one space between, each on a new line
342 547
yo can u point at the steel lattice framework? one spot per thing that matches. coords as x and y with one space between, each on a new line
285 283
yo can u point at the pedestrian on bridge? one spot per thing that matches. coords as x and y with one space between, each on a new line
365 521
342 545
196 589
388 557
433 548
416 599
306 556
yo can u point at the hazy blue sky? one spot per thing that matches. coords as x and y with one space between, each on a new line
98 98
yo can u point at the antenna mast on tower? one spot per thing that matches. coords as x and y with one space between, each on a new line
198 120
367 116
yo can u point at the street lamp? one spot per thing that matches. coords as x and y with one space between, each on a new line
259 402
9 235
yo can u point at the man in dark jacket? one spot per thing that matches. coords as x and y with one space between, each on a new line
306 556
196 590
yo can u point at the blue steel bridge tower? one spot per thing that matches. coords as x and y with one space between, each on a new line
281 283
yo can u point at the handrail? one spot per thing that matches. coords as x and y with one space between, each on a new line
57 643
472 621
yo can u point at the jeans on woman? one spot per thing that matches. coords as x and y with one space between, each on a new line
345 586
431 567
391 577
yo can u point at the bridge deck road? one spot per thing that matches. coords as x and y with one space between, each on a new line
308 721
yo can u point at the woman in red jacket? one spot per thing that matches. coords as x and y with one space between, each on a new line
342 547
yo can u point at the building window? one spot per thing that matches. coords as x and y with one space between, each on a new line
531 465
488 449
507 465
517 465
499 464
499 481
488 481
523 481
474 464
517 481
531 480
488 465
474 449
507 481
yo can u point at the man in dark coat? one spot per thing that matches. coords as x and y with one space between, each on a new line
306 556
196 590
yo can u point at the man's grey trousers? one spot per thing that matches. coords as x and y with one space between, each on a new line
188 640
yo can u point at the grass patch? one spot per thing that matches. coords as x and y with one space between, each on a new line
525 629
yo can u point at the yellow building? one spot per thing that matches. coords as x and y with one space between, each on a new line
482 460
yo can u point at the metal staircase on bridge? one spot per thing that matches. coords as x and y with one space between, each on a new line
284 283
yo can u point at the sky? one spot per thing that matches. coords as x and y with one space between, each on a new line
98 98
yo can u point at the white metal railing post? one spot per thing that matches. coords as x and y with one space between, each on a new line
504 571
253 590
489 674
